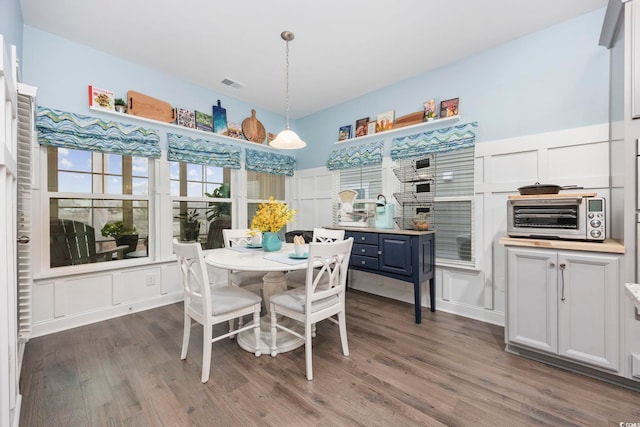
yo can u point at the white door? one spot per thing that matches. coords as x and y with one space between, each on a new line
588 308
9 395
531 298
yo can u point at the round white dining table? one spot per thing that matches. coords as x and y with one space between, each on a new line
274 264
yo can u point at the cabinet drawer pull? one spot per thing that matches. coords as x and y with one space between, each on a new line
552 264
362 262
362 238
379 252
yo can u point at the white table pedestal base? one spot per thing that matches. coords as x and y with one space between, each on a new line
284 340
273 282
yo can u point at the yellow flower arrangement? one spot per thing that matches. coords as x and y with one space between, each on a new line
272 216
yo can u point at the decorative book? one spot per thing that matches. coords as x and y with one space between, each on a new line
204 121
384 121
449 107
430 112
186 118
101 98
361 126
344 133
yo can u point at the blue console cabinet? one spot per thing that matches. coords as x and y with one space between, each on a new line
407 255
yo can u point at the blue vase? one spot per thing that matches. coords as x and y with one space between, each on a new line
271 242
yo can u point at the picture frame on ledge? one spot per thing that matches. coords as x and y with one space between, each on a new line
362 126
384 121
371 128
449 108
344 133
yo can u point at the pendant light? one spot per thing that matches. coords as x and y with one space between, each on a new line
287 139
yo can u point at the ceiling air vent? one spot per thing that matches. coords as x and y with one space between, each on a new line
234 84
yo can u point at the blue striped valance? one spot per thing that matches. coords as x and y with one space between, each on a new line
351 157
435 141
75 131
264 161
202 152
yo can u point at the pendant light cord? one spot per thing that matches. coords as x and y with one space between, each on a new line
286 98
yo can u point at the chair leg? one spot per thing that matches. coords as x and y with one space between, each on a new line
274 331
256 329
231 323
186 333
342 324
308 351
206 352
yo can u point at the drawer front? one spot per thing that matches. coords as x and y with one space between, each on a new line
365 250
364 262
366 238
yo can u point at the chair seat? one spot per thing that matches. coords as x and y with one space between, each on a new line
294 300
231 298
244 278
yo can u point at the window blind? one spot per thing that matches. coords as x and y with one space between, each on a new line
203 152
75 131
353 157
264 161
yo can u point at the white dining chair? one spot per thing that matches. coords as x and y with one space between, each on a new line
297 278
323 297
210 305
251 280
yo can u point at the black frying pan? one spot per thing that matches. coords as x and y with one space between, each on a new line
538 188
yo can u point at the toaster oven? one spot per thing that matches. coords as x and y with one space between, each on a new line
570 217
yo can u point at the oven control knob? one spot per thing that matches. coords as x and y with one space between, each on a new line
596 223
591 215
596 233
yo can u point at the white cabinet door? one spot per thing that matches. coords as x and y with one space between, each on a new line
588 308
532 298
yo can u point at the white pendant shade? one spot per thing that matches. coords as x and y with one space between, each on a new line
287 140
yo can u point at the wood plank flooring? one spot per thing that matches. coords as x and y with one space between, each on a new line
448 371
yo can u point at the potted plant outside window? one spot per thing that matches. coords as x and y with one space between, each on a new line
123 234
190 225
218 215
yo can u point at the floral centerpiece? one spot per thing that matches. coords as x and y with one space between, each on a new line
270 218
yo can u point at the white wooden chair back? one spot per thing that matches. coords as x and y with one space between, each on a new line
195 279
326 235
331 277
236 237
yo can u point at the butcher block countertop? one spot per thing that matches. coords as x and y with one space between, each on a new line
608 246
382 230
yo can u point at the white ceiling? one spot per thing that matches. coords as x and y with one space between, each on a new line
342 48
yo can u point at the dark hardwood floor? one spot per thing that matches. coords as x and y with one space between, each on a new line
447 371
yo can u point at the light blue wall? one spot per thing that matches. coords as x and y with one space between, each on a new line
62 70
554 79
11 24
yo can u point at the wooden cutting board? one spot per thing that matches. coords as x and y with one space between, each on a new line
145 106
409 119
252 129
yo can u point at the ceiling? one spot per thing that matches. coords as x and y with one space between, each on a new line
342 49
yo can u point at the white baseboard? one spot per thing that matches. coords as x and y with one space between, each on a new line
70 322
403 291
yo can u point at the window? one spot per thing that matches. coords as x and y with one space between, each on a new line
87 190
201 202
367 182
452 217
261 186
